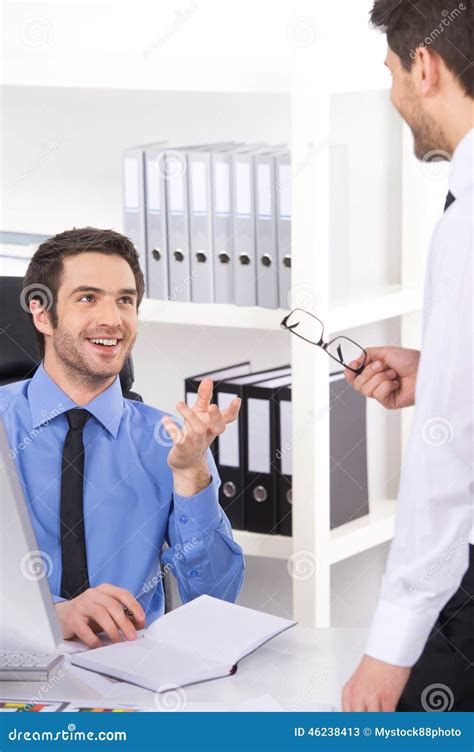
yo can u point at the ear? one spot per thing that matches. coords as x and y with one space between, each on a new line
41 318
427 72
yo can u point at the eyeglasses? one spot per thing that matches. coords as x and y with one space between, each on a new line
308 327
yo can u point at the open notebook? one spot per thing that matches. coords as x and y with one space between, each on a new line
202 640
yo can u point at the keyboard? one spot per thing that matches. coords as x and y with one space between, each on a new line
27 666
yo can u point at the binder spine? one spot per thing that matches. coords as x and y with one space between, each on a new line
156 228
348 453
243 220
223 249
283 202
134 220
265 231
284 462
200 227
260 479
230 458
178 225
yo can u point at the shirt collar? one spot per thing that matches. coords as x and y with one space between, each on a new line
47 400
462 164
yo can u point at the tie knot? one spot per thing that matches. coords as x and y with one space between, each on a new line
77 417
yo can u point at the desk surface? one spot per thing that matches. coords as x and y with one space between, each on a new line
297 670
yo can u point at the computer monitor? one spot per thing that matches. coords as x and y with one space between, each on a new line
28 619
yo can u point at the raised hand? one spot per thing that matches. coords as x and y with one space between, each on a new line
202 423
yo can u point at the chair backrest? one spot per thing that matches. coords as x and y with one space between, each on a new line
19 356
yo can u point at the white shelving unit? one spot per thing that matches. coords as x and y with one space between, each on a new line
328 106
344 541
395 301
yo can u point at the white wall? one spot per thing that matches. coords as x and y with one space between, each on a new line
62 148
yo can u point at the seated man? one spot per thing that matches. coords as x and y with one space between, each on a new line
108 480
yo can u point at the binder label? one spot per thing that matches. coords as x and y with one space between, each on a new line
222 188
243 196
284 187
264 194
229 455
198 187
176 194
153 196
285 436
258 417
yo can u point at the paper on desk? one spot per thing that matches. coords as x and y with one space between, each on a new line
71 646
75 645
199 641
223 630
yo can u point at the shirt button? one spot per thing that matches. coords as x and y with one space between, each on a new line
183 518
194 573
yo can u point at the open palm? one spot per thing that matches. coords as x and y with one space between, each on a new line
202 423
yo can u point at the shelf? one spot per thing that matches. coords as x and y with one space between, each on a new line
186 75
345 541
374 306
395 301
122 71
366 532
269 546
209 314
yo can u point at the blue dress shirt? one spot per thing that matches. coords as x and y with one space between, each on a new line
130 508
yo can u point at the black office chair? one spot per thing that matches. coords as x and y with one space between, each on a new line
19 356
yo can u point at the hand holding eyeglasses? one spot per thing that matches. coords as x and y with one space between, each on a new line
389 376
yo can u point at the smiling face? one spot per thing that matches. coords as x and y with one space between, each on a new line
96 298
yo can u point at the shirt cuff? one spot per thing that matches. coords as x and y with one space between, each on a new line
202 509
398 636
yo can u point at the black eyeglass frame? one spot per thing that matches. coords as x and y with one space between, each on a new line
321 343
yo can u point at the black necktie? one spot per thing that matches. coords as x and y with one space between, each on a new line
449 200
75 578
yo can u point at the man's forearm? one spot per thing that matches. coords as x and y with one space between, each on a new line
192 480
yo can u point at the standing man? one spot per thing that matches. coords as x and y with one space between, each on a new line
420 651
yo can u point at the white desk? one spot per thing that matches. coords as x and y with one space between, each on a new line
297 670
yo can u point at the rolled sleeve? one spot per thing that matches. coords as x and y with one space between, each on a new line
203 555
199 513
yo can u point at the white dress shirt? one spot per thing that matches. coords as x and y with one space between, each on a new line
435 509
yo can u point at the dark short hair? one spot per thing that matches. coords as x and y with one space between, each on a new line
427 23
43 276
